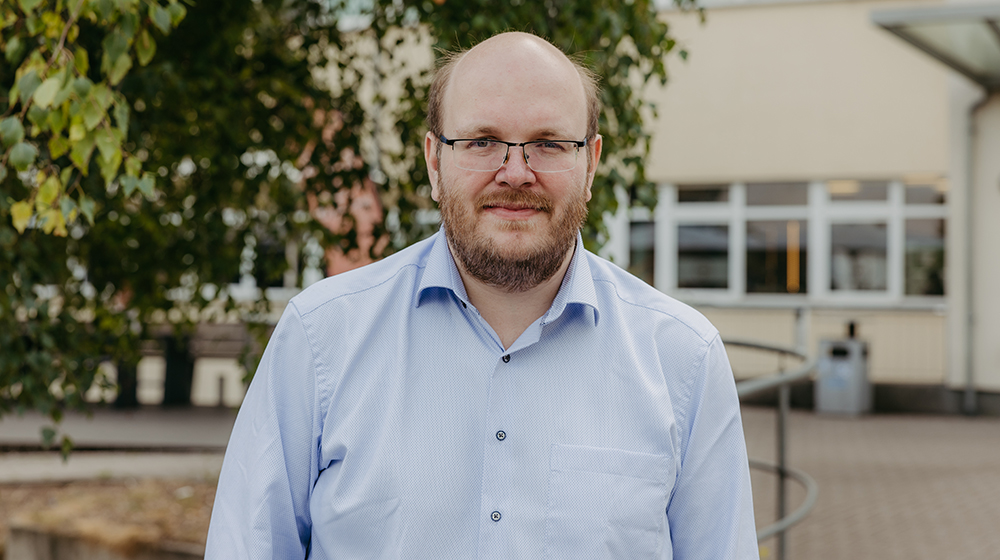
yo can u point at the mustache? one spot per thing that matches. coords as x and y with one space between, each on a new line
515 198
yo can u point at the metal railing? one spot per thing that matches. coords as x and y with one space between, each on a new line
782 382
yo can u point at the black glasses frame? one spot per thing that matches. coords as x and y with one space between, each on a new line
579 144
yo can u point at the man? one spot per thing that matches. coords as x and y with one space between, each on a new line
495 391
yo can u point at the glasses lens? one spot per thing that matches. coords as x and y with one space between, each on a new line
479 155
551 155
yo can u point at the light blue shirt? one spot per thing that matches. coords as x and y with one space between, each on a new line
387 421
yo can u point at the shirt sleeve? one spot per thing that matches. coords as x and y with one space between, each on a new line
711 511
262 502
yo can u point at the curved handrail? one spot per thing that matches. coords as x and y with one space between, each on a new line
781 380
812 493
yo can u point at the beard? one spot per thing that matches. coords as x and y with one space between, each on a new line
512 267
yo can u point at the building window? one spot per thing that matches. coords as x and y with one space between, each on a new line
702 193
776 257
867 241
703 256
777 194
642 237
858 256
924 257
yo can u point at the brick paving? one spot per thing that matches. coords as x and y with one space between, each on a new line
891 486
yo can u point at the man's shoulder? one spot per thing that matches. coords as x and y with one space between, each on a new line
619 287
371 280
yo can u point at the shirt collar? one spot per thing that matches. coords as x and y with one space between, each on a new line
577 286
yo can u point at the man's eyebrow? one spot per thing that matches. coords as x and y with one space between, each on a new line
492 132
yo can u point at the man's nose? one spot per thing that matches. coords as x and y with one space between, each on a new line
515 171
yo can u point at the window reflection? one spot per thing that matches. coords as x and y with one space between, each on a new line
925 257
702 193
858 256
858 190
641 250
703 256
776 257
777 194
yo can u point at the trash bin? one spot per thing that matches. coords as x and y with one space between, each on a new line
842 385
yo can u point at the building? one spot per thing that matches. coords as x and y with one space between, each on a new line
814 174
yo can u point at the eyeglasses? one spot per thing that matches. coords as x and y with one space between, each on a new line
487 154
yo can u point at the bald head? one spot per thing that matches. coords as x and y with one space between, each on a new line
514 60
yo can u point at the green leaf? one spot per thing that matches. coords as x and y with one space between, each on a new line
63 94
121 67
129 184
68 208
92 114
147 184
14 49
160 17
109 165
20 213
81 152
177 13
107 143
46 92
114 45
56 122
81 61
133 166
121 113
77 130
22 155
37 116
27 85
11 131
3 173
102 95
48 193
65 174
29 5
145 47
58 146
88 207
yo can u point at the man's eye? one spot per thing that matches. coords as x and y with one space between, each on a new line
552 146
480 144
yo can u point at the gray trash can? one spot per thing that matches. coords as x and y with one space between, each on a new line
842 385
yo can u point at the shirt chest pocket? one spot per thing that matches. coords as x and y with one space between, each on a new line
606 503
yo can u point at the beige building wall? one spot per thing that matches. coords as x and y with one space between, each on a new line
805 91
904 346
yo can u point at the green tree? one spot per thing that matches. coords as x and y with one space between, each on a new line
240 116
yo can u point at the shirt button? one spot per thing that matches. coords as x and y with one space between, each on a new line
495 516
506 358
501 435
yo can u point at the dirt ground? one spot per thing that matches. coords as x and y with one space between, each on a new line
121 514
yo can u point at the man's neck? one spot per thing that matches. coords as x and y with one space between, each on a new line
510 313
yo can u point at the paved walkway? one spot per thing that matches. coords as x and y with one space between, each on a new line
891 486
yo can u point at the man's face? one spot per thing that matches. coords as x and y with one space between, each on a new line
514 227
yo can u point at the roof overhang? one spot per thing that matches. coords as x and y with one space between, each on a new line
964 37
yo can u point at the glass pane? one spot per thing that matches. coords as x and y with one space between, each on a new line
703 193
641 250
858 256
777 194
925 194
776 257
858 190
925 257
703 257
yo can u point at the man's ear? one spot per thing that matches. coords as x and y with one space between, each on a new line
433 165
594 153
